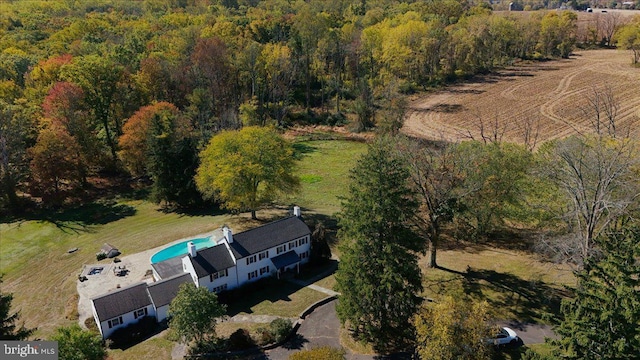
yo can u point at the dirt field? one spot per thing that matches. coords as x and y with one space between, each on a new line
549 96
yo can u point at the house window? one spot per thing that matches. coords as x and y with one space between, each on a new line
263 255
264 270
115 322
292 244
251 259
253 274
304 255
281 249
220 288
140 313
219 274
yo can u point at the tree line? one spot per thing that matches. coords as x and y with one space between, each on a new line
78 82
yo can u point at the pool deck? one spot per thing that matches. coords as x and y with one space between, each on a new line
138 268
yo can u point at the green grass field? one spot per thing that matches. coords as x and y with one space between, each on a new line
324 173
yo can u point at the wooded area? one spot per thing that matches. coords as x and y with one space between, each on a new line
82 77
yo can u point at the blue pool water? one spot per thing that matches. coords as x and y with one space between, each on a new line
181 249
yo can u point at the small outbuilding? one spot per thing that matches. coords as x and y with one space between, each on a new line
109 250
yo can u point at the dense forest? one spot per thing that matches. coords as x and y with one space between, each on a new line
96 88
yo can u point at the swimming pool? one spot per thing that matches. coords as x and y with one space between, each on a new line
181 249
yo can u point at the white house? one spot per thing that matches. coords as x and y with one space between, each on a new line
163 291
267 250
122 307
250 255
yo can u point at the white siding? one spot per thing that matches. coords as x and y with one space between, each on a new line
231 280
187 267
127 319
161 313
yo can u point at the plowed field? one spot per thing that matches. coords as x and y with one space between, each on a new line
551 96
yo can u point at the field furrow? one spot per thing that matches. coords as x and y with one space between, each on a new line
551 97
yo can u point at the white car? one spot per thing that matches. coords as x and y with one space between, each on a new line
505 336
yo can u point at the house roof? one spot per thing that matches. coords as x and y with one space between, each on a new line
121 301
286 259
267 236
168 268
108 247
211 260
162 292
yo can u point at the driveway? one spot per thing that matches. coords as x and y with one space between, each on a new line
531 333
320 328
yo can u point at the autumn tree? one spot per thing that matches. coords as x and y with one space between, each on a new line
99 78
214 94
64 106
453 328
194 313
245 169
557 34
601 321
157 142
628 38
135 133
55 165
378 275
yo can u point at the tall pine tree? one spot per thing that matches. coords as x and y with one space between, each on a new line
602 321
378 275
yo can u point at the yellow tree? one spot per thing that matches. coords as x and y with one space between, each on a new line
245 169
628 38
453 329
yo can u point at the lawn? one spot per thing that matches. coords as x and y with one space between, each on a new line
516 284
324 173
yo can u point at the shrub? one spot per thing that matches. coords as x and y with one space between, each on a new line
264 336
101 256
91 325
241 339
205 347
280 328
321 353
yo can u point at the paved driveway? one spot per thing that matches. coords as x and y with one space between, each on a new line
320 328
531 333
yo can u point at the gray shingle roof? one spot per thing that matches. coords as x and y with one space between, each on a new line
267 236
169 268
211 260
121 301
162 292
286 259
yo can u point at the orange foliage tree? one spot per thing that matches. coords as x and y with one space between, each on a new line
55 165
135 133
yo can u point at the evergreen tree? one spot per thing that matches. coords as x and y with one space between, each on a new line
601 322
172 160
378 275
